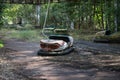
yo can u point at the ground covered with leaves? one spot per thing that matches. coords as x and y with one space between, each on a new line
7 69
85 59
99 57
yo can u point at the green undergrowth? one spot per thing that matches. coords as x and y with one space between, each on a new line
113 38
1 44
83 34
26 35
36 35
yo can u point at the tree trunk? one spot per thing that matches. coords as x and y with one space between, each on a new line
72 25
116 15
38 8
102 17
106 16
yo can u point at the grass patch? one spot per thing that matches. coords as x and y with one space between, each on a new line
36 35
83 35
26 35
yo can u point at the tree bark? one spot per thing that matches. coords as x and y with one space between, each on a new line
116 20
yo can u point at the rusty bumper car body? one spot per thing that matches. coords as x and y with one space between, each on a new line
56 45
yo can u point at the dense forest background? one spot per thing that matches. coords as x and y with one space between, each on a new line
85 14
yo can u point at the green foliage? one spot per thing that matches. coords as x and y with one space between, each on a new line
114 38
86 15
100 14
2 6
83 34
27 27
1 44
15 11
30 35
36 35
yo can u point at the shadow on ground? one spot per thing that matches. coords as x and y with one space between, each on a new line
82 64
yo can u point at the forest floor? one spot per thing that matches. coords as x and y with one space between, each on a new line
89 61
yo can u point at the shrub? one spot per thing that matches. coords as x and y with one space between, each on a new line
113 38
30 35
28 27
1 44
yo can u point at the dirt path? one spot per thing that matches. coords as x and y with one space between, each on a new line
69 67
102 47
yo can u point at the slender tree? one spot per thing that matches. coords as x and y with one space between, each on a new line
117 15
2 6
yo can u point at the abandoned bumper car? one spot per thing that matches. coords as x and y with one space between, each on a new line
56 45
